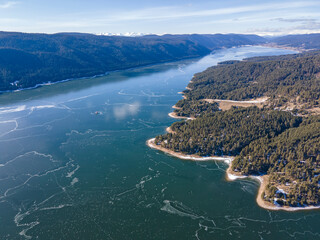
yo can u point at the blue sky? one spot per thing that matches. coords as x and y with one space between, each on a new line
161 16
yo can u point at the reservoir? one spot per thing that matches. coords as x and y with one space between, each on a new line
74 164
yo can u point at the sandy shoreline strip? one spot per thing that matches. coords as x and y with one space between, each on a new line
263 180
152 144
169 130
174 115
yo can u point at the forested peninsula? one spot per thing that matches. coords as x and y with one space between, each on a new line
264 114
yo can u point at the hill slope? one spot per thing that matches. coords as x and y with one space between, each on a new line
300 41
30 59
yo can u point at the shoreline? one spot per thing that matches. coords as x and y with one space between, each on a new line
263 179
151 144
230 176
174 115
169 130
38 85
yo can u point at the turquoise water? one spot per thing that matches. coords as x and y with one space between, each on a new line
74 165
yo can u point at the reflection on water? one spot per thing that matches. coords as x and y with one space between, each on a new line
74 165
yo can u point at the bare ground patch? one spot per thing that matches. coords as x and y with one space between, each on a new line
227 104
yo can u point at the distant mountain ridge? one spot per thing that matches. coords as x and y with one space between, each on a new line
303 41
30 59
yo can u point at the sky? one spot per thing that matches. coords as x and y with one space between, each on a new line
268 17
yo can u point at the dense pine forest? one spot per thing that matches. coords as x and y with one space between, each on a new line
275 140
293 161
193 108
289 79
227 132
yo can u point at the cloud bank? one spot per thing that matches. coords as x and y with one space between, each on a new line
7 4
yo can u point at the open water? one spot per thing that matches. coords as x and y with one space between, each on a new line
74 165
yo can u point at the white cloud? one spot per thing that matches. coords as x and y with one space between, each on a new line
126 110
307 28
8 4
294 20
164 13
168 13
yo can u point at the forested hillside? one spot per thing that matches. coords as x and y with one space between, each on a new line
194 108
293 161
226 133
286 79
30 59
302 41
275 140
